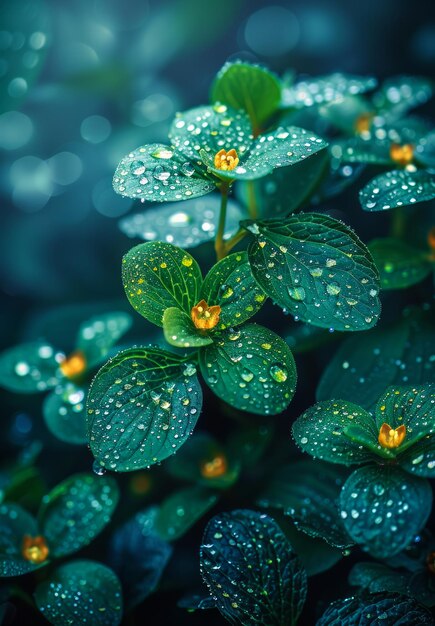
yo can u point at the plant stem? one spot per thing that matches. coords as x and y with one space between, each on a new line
234 240
252 200
398 224
219 244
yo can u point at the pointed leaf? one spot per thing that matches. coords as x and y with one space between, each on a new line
250 368
315 555
157 276
400 266
249 87
317 268
142 406
339 432
230 285
325 89
29 367
398 188
64 412
383 507
210 129
15 523
250 568
76 511
178 513
158 174
180 331
81 592
385 609
97 335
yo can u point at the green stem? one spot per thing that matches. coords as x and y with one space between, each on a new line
234 240
398 224
252 200
219 244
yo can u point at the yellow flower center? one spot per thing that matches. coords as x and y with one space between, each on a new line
34 549
205 317
226 160
215 467
402 154
363 123
74 365
391 437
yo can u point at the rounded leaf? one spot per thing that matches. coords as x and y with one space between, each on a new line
180 331
97 335
400 266
325 89
178 513
383 508
158 275
398 188
250 368
64 412
76 511
15 523
29 368
81 592
142 406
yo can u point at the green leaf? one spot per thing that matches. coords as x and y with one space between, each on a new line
180 331
97 335
65 414
210 129
15 522
315 555
425 150
365 365
311 501
76 511
315 267
345 113
185 224
182 510
383 507
251 570
157 276
377 578
305 338
398 94
142 406
250 368
230 285
363 149
249 87
398 188
400 266
387 609
339 432
158 174
81 592
413 407
325 89
29 368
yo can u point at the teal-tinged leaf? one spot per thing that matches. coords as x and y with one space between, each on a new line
249 87
346 113
307 491
15 523
180 331
415 408
185 224
397 188
142 406
29 367
425 150
230 285
325 89
182 510
157 276
64 412
365 365
76 511
275 149
339 432
398 94
158 174
383 507
23 484
315 267
378 578
386 609
363 149
97 335
210 129
251 570
250 368
204 461
81 592
400 265
340 177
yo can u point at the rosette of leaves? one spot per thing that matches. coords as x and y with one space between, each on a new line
387 500
38 367
69 518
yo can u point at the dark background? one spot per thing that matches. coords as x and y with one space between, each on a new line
113 76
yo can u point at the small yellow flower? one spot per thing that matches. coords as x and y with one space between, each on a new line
215 467
205 317
402 154
226 160
34 549
74 365
363 123
391 437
